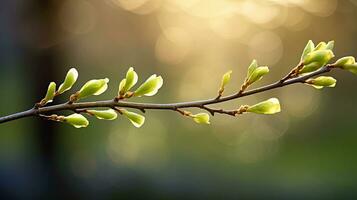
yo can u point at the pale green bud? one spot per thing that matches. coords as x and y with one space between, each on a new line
69 81
252 67
321 46
316 60
258 74
150 86
121 87
351 68
320 56
324 46
108 114
136 119
310 67
76 120
330 45
308 48
93 87
322 81
348 60
225 80
51 92
130 80
201 118
270 106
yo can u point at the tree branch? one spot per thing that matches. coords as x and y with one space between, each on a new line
201 104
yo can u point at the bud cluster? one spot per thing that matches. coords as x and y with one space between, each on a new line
313 58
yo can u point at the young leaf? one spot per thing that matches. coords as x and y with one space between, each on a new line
257 74
351 68
348 60
320 56
322 81
69 81
330 45
308 49
150 86
51 92
130 80
316 60
252 67
93 87
225 80
108 114
77 120
201 118
321 46
270 106
121 87
136 119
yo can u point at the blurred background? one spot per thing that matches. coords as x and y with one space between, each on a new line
308 151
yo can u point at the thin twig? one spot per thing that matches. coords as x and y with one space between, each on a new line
201 104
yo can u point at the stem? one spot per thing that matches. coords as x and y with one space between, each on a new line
201 104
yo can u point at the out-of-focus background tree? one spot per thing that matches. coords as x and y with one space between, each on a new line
306 151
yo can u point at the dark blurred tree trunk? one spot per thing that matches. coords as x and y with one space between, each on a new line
42 54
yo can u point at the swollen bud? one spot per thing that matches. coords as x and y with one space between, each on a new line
330 45
322 81
344 61
351 68
257 74
316 60
69 81
321 46
136 119
93 87
51 92
150 86
252 67
130 80
308 49
225 80
109 114
270 106
76 120
201 118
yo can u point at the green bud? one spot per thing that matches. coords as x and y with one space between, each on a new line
308 49
320 56
258 74
150 86
316 60
330 45
136 119
201 118
130 80
51 92
270 106
351 68
225 80
252 67
322 81
69 81
321 46
93 87
108 114
121 87
348 60
76 120
324 46
310 67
